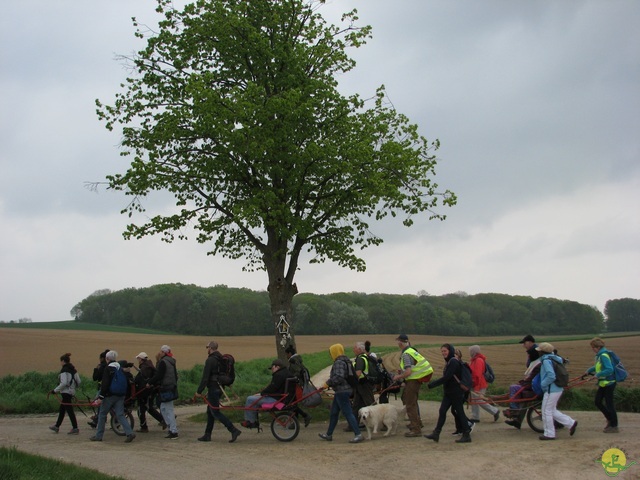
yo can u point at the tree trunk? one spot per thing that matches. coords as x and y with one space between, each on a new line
281 295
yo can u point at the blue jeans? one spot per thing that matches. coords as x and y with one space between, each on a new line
115 402
342 404
213 397
254 401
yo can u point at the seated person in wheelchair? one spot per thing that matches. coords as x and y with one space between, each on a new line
523 389
281 389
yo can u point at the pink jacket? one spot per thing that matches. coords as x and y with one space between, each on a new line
477 366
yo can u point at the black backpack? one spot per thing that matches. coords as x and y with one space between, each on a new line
351 377
375 375
562 376
489 376
464 380
226 369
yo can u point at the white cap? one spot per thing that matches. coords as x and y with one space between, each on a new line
142 355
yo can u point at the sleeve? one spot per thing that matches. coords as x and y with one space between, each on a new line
63 379
160 371
105 383
206 374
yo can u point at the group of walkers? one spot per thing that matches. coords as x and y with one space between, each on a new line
157 385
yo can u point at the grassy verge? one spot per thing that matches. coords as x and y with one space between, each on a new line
16 465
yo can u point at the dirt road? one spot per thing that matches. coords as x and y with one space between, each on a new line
497 451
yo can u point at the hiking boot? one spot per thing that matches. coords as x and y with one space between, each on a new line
55 428
496 416
572 430
172 436
234 435
307 420
457 432
544 437
248 424
326 437
205 438
130 438
466 438
435 436
413 434
95 439
92 424
513 423
73 431
357 439
611 429
144 429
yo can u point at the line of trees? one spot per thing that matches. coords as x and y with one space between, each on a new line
220 310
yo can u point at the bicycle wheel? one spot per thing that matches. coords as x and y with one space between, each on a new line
534 418
285 426
115 424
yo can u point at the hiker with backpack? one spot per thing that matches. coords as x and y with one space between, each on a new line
479 369
549 379
166 378
298 370
342 379
113 388
69 380
146 396
366 371
210 374
456 379
604 372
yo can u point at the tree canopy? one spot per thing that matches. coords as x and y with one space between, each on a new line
220 310
233 107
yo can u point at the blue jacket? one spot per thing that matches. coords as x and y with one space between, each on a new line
547 374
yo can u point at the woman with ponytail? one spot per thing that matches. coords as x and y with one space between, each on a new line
69 380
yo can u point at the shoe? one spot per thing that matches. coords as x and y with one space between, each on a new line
496 416
131 436
348 429
172 436
248 424
357 439
466 438
513 423
471 426
95 439
55 428
413 434
474 420
433 436
572 430
326 437
307 420
205 438
92 424
143 430
73 431
457 432
234 435
611 429
543 437
163 425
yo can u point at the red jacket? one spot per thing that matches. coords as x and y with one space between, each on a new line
477 366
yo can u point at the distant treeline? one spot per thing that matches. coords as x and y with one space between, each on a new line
219 310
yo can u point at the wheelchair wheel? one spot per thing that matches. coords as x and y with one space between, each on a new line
285 426
115 424
534 418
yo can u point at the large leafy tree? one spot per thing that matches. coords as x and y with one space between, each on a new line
233 108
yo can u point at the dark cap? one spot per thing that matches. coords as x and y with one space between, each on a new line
277 362
528 338
402 338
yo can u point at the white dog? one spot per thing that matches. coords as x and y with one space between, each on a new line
375 416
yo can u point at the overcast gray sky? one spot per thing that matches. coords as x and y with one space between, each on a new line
536 104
